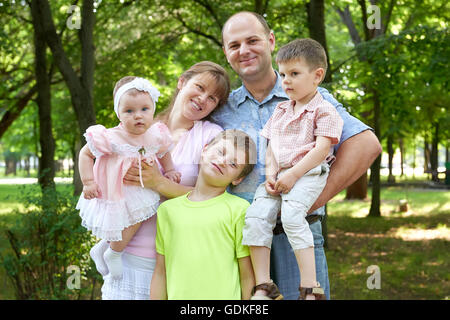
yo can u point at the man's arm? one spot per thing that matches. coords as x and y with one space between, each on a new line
247 277
353 158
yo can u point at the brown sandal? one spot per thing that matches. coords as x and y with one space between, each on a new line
318 293
272 292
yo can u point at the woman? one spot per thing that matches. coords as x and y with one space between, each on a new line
201 89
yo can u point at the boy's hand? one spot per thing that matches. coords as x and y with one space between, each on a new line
285 183
91 190
270 186
173 175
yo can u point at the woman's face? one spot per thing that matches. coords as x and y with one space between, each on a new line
197 97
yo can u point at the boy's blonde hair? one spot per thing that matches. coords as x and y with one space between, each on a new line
308 49
241 141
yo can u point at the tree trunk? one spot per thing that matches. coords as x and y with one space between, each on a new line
13 113
316 25
81 88
376 166
358 190
78 185
447 164
390 147
426 156
46 172
10 163
402 156
261 6
434 154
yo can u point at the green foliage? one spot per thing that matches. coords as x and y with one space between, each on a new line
45 240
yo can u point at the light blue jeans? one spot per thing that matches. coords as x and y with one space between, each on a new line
283 265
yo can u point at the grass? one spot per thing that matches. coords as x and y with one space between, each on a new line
411 249
10 205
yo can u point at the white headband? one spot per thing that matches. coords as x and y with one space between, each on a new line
140 84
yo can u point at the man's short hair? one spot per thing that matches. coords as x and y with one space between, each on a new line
259 17
241 141
308 49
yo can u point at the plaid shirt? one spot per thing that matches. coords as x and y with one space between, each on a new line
245 113
293 135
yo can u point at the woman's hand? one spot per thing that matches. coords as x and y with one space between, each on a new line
150 175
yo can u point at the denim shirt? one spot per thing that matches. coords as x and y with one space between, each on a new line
245 113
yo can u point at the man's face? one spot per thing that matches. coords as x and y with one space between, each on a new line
248 47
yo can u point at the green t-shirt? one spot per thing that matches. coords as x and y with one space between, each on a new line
202 242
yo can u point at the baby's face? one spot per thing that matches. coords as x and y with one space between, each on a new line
136 112
299 81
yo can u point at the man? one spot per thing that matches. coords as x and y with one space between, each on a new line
248 44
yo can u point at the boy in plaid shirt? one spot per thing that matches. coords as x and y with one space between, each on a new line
301 133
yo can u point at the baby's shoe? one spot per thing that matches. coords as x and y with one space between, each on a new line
113 260
96 254
271 289
317 292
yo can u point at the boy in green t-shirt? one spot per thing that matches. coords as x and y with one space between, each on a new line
199 235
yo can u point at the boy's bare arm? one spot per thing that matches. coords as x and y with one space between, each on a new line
354 157
271 163
271 171
158 289
247 277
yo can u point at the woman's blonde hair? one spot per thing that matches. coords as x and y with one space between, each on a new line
217 72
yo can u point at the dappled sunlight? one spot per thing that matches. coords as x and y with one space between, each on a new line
417 234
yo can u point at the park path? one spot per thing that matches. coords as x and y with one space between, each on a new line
31 180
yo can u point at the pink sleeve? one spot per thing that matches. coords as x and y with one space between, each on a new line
328 123
212 130
97 140
162 134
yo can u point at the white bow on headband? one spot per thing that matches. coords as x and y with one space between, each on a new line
140 84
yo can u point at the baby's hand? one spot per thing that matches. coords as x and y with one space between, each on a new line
91 190
173 175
